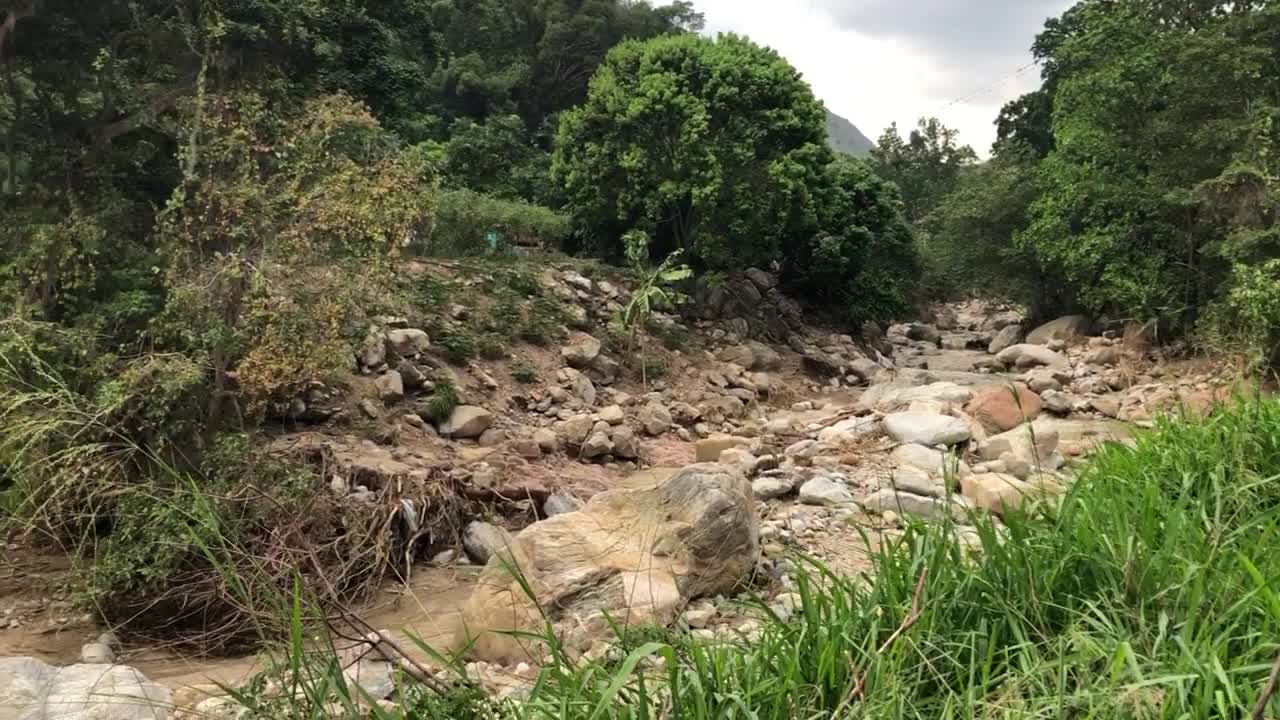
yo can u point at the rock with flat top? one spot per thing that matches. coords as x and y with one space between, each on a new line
927 428
33 690
1068 329
467 422
824 491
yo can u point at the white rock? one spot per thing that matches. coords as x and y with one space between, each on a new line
33 690
824 491
927 428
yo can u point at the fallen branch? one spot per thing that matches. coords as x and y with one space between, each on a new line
1268 691
910 620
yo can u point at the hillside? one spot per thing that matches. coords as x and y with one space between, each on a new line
846 137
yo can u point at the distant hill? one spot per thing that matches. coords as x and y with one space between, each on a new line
846 138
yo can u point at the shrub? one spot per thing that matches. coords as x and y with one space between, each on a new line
444 399
493 346
1247 319
465 218
523 372
543 322
457 343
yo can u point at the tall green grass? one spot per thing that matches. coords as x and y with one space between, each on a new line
1150 591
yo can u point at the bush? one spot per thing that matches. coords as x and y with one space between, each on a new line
543 324
457 343
1247 319
465 217
523 372
444 400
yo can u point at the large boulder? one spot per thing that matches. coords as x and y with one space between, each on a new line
581 352
999 408
408 342
466 422
1033 443
890 397
824 491
633 557
1066 329
654 418
483 540
930 508
1000 494
1008 337
33 690
1028 355
926 428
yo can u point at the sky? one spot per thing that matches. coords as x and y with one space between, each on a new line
881 61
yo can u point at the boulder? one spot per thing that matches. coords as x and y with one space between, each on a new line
709 449
33 690
763 357
927 428
1028 355
918 482
1066 329
373 352
390 387
1003 407
1008 337
739 459
408 342
561 502
574 431
934 462
597 445
1000 494
581 352
763 280
1058 402
739 355
924 333
823 490
1109 355
625 443
584 390
931 508
890 397
546 440
771 487
466 422
654 418
850 430
96 653
634 557
410 374
1036 444
612 415
1108 405
483 540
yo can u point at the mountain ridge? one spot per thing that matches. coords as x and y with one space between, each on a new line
846 137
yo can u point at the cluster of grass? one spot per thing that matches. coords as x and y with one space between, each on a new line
1148 592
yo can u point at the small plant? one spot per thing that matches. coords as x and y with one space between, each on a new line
523 372
443 401
492 346
543 322
653 368
524 283
653 289
458 344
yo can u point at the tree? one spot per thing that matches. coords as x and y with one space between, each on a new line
695 140
925 166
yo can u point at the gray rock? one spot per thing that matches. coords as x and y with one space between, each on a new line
612 415
483 540
924 333
918 482
373 352
1066 329
585 390
763 280
625 443
574 431
655 419
1008 337
930 508
927 428
409 342
582 352
33 690
1109 355
1058 402
1028 355
96 653
466 422
390 387
410 375
772 487
561 502
546 440
824 491
597 445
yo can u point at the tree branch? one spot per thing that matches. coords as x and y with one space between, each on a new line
157 104
1268 691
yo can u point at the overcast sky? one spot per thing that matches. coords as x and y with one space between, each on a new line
880 61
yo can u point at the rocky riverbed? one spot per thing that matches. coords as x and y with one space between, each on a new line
658 501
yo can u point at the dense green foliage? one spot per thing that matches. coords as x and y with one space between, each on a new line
1147 592
717 148
925 166
1154 147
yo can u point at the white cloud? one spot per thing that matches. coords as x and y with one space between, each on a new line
898 73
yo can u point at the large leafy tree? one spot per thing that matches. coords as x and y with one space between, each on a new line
926 165
706 143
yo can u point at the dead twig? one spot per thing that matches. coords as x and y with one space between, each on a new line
1268 691
859 688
